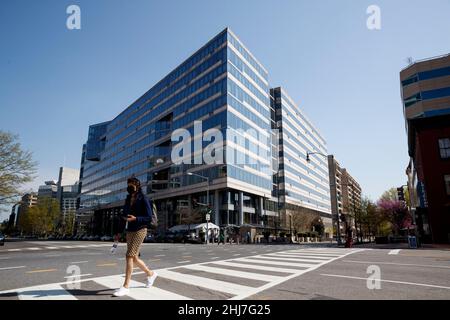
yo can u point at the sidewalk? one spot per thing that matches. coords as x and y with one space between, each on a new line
402 246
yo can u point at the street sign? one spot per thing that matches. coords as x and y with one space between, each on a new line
208 217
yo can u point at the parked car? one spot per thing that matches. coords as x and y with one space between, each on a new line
149 238
106 238
2 240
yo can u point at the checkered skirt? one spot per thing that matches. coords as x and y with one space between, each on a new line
134 241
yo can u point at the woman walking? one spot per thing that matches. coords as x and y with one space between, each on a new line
137 213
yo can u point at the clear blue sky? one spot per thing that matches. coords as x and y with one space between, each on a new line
55 82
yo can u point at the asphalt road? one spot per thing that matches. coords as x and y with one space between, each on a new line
45 270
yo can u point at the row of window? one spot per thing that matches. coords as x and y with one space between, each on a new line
245 176
289 119
310 201
105 168
245 69
250 115
427 95
243 96
244 81
208 78
172 76
291 182
290 169
235 43
426 75
300 115
311 167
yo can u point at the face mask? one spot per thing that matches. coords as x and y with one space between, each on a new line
131 189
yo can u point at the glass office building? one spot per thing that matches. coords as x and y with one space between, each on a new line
221 86
303 185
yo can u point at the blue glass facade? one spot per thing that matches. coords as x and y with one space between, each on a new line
226 88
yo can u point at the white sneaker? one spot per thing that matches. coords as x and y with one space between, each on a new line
151 279
121 292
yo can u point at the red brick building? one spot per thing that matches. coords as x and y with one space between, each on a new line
426 103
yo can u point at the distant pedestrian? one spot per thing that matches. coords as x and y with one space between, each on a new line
137 212
221 238
349 241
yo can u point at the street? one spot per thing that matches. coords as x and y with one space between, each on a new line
87 270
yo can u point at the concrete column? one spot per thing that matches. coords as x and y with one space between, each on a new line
189 203
241 208
216 208
261 209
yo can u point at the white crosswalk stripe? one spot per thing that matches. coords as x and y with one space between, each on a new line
138 290
240 274
45 292
223 277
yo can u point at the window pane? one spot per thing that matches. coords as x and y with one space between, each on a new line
447 183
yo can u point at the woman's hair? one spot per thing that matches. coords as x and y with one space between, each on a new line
135 181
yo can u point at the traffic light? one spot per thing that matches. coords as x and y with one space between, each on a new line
400 194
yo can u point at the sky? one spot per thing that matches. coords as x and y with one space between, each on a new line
55 82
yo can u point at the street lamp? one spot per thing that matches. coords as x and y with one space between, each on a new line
207 199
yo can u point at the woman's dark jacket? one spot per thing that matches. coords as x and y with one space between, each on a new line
141 209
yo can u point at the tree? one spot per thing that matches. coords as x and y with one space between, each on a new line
42 218
303 221
16 167
396 213
189 217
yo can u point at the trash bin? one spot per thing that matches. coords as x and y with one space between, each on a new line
412 242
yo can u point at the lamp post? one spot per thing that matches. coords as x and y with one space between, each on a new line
207 199
338 228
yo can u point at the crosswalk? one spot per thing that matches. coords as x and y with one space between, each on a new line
235 279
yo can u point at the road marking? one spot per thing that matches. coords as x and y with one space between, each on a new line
234 273
396 251
8 268
160 255
186 256
185 261
398 264
51 248
77 262
52 255
241 292
265 256
78 275
390 281
237 254
138 290
45 292
120 258
107 264
214 257
299 256
34 248
42 270
67 247
308 254
212 284
14 250
151 260
255 267
277 263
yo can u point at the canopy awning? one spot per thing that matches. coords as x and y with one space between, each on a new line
185 227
